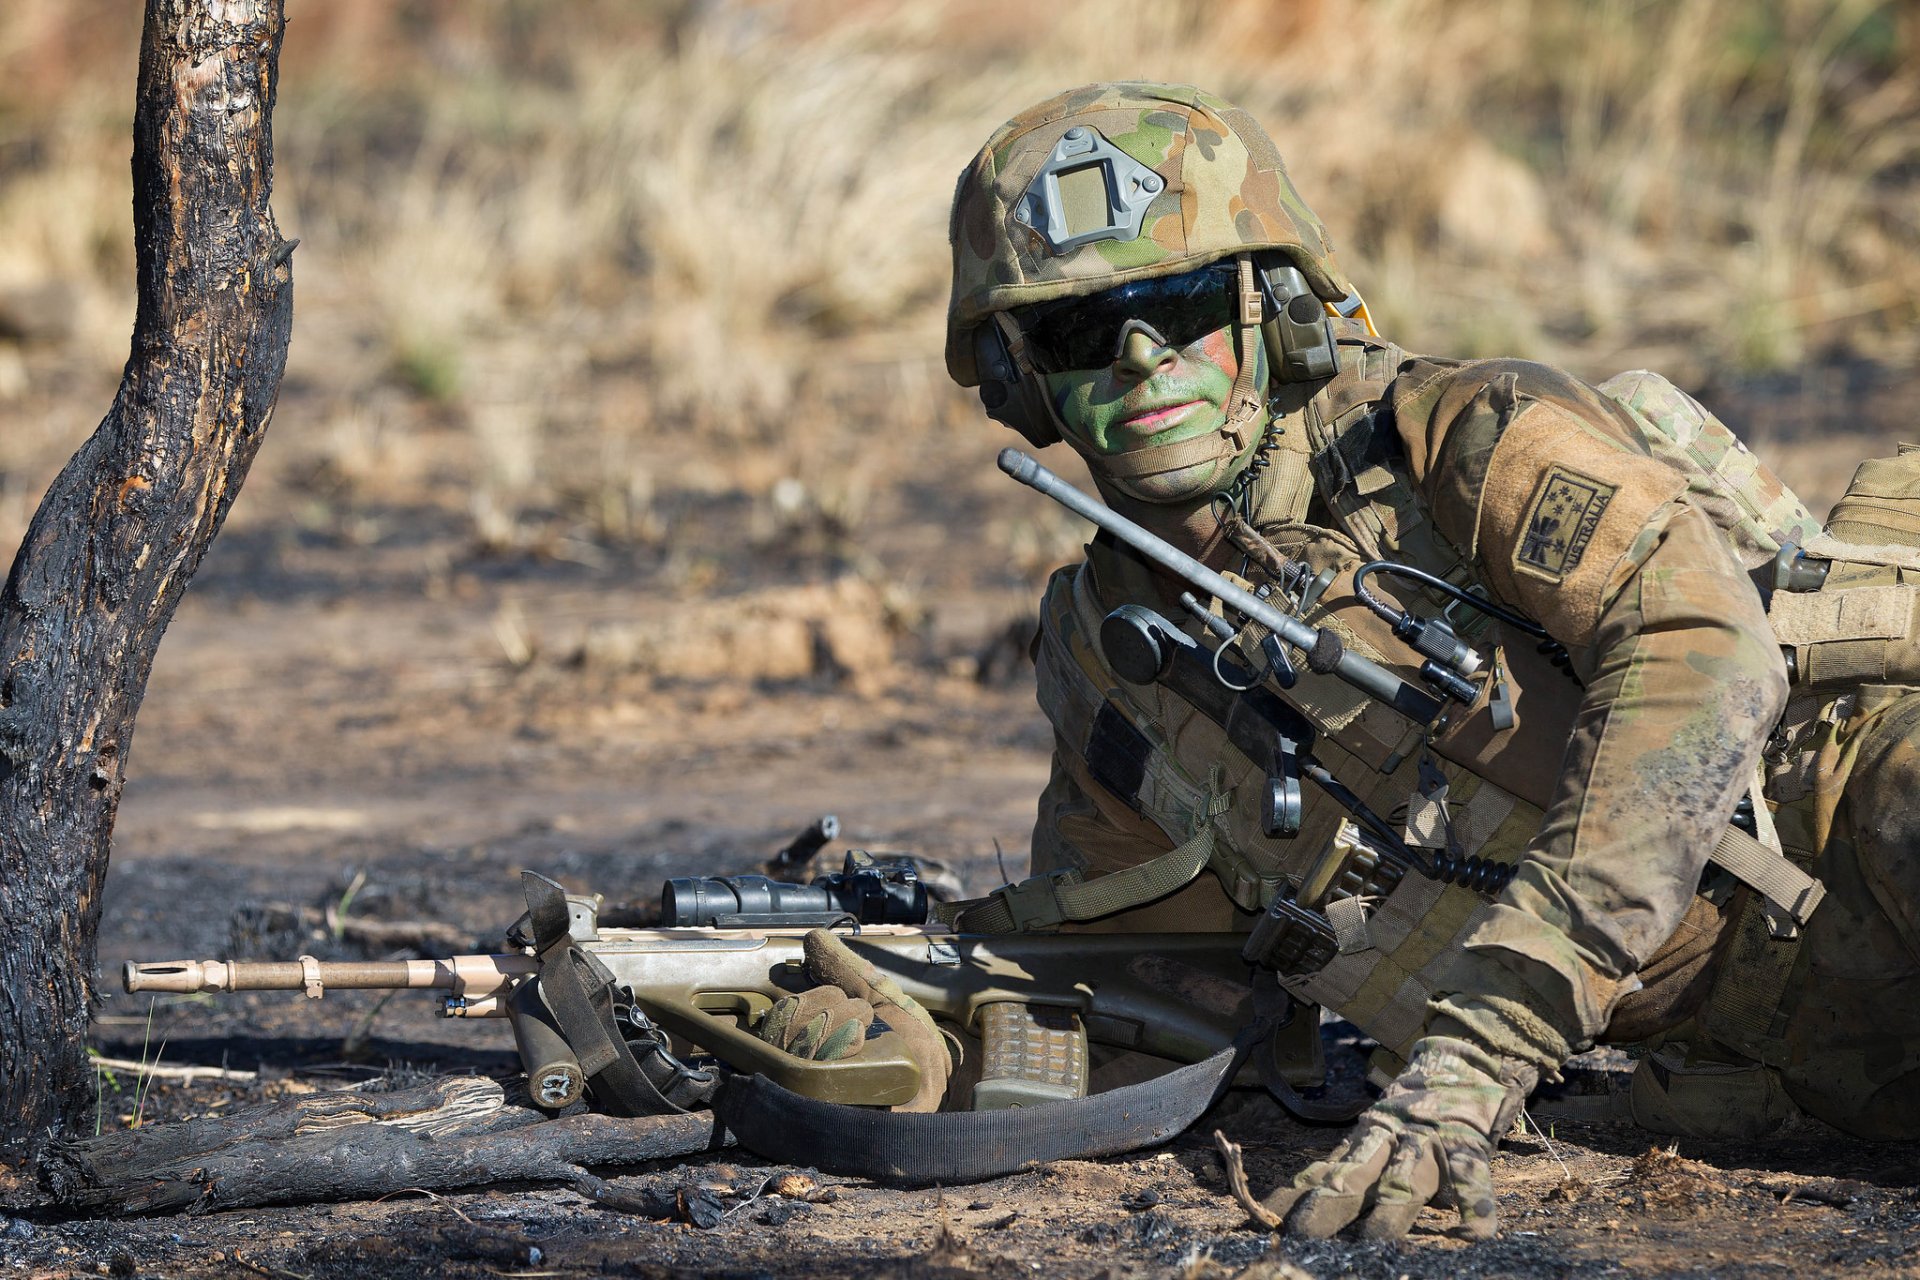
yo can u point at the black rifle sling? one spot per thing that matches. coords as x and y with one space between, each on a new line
964 1146
578 990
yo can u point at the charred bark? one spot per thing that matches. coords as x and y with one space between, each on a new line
125 525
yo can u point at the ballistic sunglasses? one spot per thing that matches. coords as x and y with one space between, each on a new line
1087 333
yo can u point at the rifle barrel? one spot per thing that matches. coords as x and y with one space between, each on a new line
1356 669
471 976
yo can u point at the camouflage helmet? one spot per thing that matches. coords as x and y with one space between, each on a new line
1207 183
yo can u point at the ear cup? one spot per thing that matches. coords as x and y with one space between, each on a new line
1297 329
1011 397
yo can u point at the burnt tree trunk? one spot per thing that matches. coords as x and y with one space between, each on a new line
125 525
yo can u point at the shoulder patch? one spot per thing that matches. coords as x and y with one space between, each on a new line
1565 510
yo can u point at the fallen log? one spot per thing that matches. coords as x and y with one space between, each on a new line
351 1145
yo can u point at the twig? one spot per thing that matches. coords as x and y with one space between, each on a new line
1000 860
1552 1150
1237 1182
758 1191
437 1199
186 1074
259 1268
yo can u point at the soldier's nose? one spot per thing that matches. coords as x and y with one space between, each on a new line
1141 356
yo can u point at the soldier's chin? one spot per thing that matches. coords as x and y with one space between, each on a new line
1183 484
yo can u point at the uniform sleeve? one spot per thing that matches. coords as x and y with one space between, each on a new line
1574 522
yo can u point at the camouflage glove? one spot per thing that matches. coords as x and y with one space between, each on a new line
823 1024
1428 1139
831 961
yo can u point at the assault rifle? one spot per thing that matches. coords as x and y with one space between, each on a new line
645 1020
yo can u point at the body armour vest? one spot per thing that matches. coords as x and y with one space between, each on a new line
1470 792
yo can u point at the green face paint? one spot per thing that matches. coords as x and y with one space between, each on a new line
1153 396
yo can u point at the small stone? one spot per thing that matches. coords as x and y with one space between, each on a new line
1153 1227
779 1213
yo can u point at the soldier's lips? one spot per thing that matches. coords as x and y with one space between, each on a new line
1153 421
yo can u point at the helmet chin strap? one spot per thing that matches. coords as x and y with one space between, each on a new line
1220 447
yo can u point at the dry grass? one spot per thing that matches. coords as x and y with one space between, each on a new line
556 239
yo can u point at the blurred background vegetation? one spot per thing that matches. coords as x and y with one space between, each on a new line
569 271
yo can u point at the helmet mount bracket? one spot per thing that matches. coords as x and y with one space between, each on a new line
1087 190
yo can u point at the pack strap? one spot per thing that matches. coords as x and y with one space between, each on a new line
1768 873
1039 903
966 1146
1066 896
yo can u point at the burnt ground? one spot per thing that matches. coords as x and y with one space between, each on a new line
360 707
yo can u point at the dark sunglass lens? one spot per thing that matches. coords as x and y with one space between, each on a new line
1083 333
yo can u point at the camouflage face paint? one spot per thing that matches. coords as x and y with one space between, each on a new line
1154 395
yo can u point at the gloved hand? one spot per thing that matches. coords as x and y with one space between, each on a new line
831 961
823 1024
1428 1139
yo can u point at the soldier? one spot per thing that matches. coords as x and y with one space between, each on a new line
1134 273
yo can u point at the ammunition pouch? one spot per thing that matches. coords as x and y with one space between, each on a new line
1674 1093
1841 635
1862 623
1882 503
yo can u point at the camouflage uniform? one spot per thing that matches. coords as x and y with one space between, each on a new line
1551 497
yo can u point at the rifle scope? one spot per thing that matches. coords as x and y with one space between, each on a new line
885 891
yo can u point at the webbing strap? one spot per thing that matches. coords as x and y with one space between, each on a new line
1825 546
1061 897
584 1014
1045 902
965 1146
1770 874
1155 459
1847 662
1348 916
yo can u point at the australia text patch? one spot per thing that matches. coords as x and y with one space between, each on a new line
1566 510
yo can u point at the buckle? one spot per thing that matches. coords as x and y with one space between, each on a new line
1250 311
1033 904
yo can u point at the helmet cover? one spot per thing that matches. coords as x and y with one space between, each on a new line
1194 179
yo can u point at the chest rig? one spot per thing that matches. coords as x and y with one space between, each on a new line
1342 917
1364 895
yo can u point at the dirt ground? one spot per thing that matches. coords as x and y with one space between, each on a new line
365 709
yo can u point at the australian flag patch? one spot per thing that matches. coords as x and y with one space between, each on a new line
1566 510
